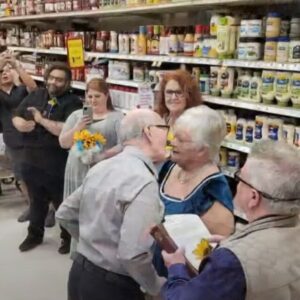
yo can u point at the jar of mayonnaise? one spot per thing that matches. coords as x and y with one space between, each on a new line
240 133
297 137
273 25
283 45
288 133
233 160
270 49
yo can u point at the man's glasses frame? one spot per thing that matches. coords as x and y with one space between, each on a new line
238 178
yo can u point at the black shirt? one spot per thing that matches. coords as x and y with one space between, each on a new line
42 148
8 104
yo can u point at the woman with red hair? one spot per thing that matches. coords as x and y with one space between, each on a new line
178 92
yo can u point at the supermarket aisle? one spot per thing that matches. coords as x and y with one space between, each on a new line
40 274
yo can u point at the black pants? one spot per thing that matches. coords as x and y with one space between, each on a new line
43 188
90 282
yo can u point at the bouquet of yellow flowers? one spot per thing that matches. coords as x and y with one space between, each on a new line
87 144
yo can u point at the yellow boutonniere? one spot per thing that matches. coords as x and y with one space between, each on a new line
170 138
202 249
52 102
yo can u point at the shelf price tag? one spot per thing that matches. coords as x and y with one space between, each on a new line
145 96
75 53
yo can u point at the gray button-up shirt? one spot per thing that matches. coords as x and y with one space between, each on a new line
115 207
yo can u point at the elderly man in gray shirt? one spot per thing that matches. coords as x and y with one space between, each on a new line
115 207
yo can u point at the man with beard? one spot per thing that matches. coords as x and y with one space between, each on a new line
40 118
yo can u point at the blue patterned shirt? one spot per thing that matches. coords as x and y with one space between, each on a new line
221 277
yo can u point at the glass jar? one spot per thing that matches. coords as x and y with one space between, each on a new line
270 49
273 25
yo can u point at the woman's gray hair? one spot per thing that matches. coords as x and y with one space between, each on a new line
134 122
206 126
274 168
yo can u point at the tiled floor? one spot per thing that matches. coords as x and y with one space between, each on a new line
40 274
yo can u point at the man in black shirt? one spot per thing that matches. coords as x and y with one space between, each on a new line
40 118
11 95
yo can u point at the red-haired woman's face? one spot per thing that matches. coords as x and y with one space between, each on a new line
174 97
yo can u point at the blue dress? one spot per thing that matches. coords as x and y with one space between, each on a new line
213 188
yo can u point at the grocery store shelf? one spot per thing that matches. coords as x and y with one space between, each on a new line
150 58
228 172
175 6
129 83
75 84
261 65
234 145
156 58
272 109
78 85
171 59
57 51
123 110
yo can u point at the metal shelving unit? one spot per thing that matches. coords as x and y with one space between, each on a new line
171 59
270 109
235 145
172 7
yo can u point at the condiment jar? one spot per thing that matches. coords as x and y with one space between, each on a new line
283 45
273 25
270 49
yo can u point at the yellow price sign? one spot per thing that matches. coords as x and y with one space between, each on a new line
75 53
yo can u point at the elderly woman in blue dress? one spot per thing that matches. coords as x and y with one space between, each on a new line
192 182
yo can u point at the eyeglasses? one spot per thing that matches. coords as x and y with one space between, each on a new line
177 93
238 178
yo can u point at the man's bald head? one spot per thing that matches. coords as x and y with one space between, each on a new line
135 121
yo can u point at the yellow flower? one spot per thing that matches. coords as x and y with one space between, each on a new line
100 138
202 249
88 139
170 138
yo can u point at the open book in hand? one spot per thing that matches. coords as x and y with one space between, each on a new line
186 231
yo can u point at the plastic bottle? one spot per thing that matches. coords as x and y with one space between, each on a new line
268 86
142 41
283 44
126 43
149 38
223 37
114 42
155 40
197 41
295 90
240 134
173 42
204 84
189 42
180 36
282 88
226 81
245 88
163 41
214 22
255 87
134 44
